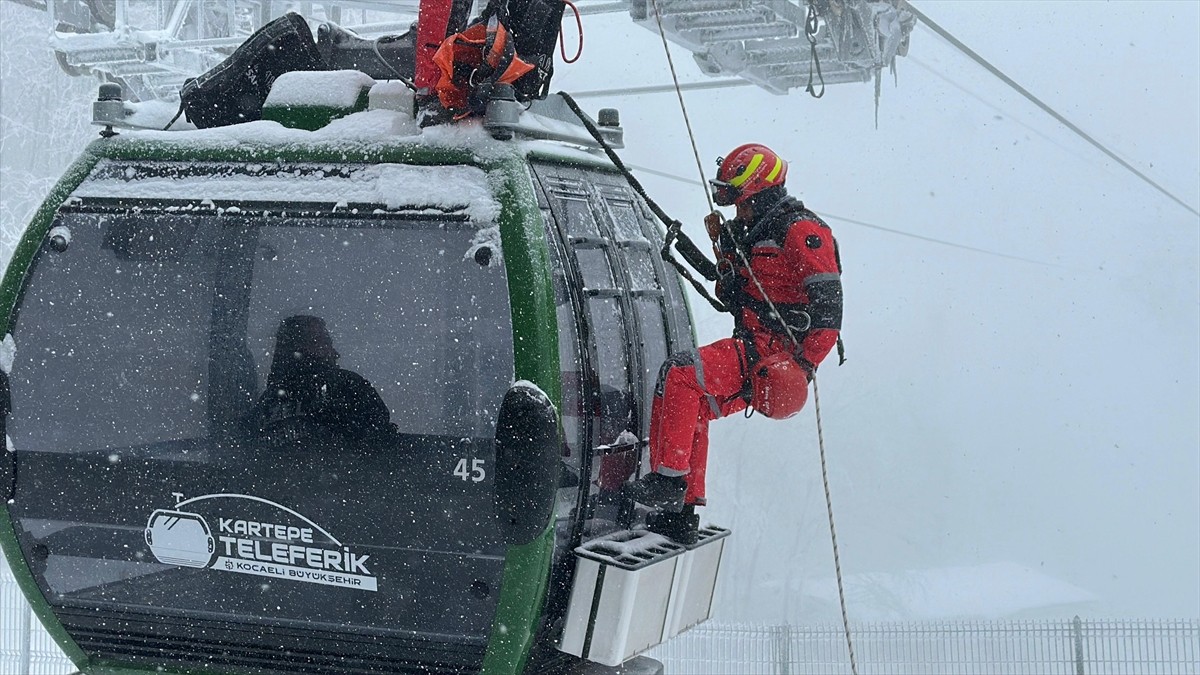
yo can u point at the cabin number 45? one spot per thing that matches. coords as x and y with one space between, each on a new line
471 470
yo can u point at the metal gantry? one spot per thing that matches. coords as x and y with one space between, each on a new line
767 43
152 46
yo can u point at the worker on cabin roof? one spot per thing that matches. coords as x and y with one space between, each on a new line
780 277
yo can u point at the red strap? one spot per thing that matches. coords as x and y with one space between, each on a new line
562 41
433 20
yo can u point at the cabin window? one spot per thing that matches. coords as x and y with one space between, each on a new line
570 362
613 249
626 224
593 265
654 347
643 276
575 212
160 470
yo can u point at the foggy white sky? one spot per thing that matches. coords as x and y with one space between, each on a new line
1044 416
991 410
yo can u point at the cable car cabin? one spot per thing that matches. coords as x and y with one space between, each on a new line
353 400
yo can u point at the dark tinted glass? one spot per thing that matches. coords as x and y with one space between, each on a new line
615 400
654 347
627 225
578 217
262 418
642 273
594 268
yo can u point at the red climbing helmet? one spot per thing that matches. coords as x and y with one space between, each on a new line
748 170
780 386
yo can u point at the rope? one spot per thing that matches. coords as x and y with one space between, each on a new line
178 114
679 92
837 563
399 75
811 26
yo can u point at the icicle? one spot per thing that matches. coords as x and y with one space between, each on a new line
878 83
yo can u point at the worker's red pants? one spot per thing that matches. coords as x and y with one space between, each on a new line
694 388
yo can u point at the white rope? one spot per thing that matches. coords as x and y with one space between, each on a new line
837 563
679 92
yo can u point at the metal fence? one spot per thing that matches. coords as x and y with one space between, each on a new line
25 647
1069 647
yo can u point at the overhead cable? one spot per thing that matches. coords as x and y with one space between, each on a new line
863 223
1006 114
662 88
942 32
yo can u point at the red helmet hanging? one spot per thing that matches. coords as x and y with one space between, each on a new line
780 386
748 170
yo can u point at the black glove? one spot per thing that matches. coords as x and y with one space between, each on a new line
730 288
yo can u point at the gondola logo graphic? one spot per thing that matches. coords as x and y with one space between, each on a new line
180 538
282 544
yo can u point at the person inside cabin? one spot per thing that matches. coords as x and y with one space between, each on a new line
780 276
307 395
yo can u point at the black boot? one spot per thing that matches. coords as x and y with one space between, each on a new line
658 491
682 527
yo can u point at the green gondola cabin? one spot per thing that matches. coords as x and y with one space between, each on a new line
492 315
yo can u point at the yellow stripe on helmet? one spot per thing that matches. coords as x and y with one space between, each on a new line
775 171
744 176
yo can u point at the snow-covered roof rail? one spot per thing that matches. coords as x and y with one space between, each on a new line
551 119
314 101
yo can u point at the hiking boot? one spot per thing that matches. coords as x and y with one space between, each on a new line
682 527
658 491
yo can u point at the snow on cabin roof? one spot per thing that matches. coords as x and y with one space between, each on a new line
438 189
359 130
441 188
327 88
355 131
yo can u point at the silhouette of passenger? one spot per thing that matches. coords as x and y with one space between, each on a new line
308 396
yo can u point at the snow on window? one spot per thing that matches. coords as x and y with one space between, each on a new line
442 189
8 351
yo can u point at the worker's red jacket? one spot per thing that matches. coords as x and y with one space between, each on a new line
794 257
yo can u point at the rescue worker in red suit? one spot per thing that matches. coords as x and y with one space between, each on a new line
793 258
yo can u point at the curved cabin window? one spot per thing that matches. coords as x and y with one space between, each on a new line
266 414
631 315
